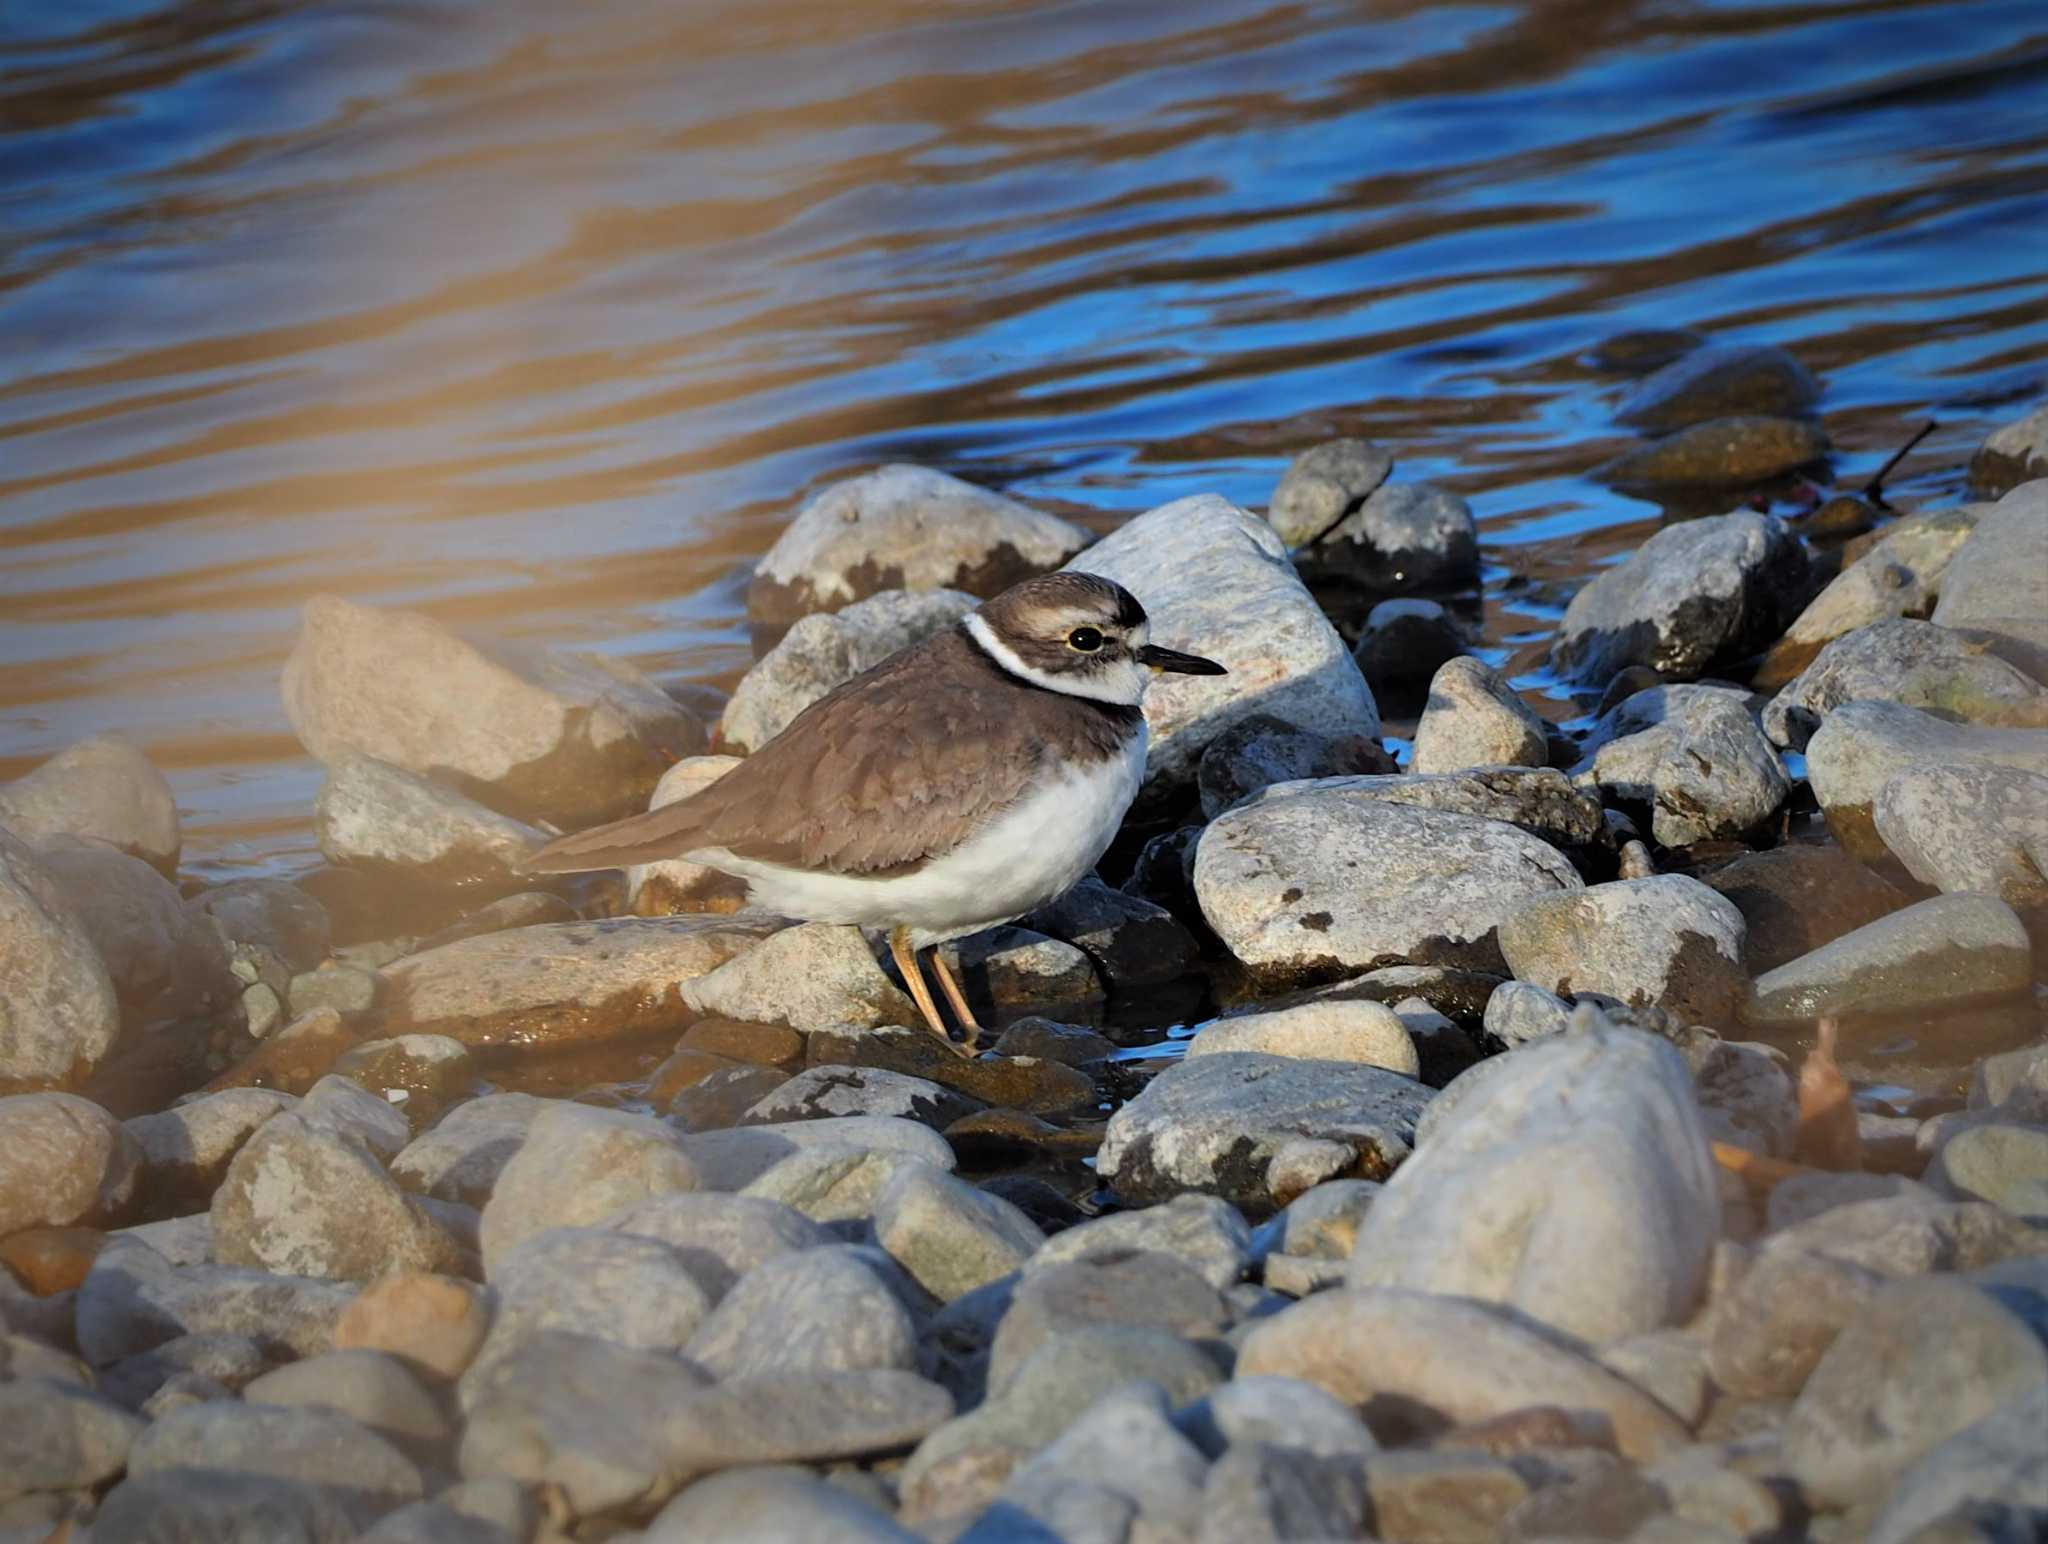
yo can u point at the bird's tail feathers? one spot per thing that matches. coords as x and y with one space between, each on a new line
649 838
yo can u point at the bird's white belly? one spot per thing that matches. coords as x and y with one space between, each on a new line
1036 850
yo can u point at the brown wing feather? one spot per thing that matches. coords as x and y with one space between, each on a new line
886 771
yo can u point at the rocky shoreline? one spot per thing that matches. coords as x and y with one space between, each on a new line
1492 1188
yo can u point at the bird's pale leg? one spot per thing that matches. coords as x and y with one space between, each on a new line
913 978
957 998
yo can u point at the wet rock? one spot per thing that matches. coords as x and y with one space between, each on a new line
818 1310
1126 1446
172 1506
373 815
1217 582
524 908
1992 586
104 788
1573 1186
1720 453
1217 1123
574 737
1258 752
772 1503
57 1436
1705 771
623 1287
1668 941
808 977
1205 1234
1403 643
2002 1162
317 1447
1323 484
1020 1082
1996 1462
825 648
1279 881
1914 663
903 528
871 1091
304 1198
2011 454
950 1236
676 886
577 1166
420 1074
1861 746
1691 596
59 1015
723 1097
1716 380
732 1160
64 1161
1475 719
580 1413
1417 1364
1969 828
768 1044
1898 577
1131 941
1519 1011
1367 1033
1403 537
1937 953
1005 970
461 1157
1794 899
272 913
134 1300
1887 1393
1643 349
433 1323
559 983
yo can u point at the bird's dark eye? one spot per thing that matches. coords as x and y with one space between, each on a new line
1086 639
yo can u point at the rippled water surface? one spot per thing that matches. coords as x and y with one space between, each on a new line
544 318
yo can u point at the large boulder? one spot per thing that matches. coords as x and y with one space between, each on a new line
59 1014
372 815
1970 828
903 528
1320 884
1691 596
1570 1182
1915 663
1216 581
575 738
101 787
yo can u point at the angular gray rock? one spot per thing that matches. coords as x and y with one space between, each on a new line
1218 1124
825 648
1692 595
1861 746
133 1300
721 1237
371 814
1131 941
1208 1235
1704 769
1573 1186
1139 1288
831 1182
1402 537
1913 663
1281 1412
59 1015
102 787
903 528
304 1197
1216 582
324 1448
272 913
1319 884
1949 949
1007 969
833 1309
1323 484
578 1165
573 737
1434 1361
1981 828
1340 1030
1124 1444
1519 1011
1667 941
64 1162
1473 718
808 977
948 1235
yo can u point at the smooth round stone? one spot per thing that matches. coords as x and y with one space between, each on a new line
63 1161
435 1323
1720 453
1323 484
1355 1031
102 787
1475 719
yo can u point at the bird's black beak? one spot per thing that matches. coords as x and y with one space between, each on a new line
1177 663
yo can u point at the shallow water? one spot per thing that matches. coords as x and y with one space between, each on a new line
545 318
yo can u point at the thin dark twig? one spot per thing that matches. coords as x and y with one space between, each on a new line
1874 489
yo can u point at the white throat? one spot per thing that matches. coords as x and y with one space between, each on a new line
1122 683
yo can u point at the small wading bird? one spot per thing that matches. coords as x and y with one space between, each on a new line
959 784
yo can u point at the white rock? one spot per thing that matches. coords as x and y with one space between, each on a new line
1993 586
372 814
808 977
102 787
59 1015
1704 768
1982 828
1473 718
578 1165
1335 1030
1323 484
1914 663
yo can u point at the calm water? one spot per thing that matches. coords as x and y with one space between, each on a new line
544 317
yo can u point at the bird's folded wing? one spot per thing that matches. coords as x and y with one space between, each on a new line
877 778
